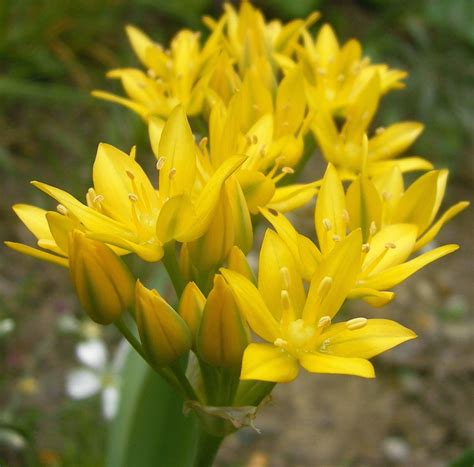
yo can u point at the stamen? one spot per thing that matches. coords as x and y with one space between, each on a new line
279 342
62 209
327 224
98 199
203 142
285 277
285 300
365 247
324 322
373 228
287 170
172 173
160 163
386 195
336 238
345 216
356 323
133 197
262 149
390 245
151 73
324 287
379 130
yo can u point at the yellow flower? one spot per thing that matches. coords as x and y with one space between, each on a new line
394 225
336 75
125 210
298 326
348 149
177 76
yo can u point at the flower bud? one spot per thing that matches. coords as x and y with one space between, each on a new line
237 262
163 333
223 335
102 281
191 305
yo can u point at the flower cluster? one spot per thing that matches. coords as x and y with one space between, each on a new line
231 121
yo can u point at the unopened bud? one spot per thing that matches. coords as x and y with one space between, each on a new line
164 334
102 281
191 305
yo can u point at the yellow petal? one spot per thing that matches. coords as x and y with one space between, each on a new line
116 175
291 197
252 306
435 228
330 206
334 278
34 219
140 43
390 246
155 130
237 262
394 140
321 363
375 337
364 205
417 203
178 150
140 109
174 219
38 254
396 274
373 297
258 189
265 362
327 45
277 271
405 164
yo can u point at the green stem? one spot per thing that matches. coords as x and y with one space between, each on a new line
207 447
172 267
184 382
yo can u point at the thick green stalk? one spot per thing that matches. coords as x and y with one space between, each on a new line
207 447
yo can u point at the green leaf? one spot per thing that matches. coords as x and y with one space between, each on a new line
150 429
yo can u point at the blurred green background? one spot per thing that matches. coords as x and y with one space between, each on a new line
54 52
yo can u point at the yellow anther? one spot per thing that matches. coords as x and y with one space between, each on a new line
254 139
373 228
324 322
324 287
98 199
285 300
172 173
151 73
160 163
356 323
327 224
62 209
365 247
287 170
386 195
390 245
321 71
203 142
133 197
336 238
279 342
130 175
285 278
379 130
345 216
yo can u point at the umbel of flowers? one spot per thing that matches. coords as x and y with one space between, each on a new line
259 93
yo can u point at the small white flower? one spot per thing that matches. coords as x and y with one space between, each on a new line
97 375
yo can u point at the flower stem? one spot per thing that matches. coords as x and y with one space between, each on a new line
207 447
172 268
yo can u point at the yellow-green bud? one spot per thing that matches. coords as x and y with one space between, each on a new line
163 333
237 262
223 335
191 305
102 281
